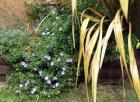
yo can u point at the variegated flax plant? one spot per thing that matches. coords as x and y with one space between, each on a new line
94 41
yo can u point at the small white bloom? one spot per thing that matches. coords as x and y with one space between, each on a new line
55 78
53 12
57 18
43 33
21 85
45 93
34 89
62 9
53 23
34 54
24 64
53 86
26 84
60 29
40 73
62 54
32 92
63 68
49 82
52 63
46 78
47 57
52 34
69 60
58 59
63 73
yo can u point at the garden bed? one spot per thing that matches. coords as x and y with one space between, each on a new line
4 68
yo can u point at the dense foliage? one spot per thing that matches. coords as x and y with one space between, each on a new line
43 63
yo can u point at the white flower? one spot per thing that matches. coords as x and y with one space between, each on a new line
32 92
55 78
63 73
62 54
26 84
56 84
60 29
47 57
34 54
62 9
57 18
34 89
53 23
43 33
52 34
69 60
49 82
53 86
53 12
40 73
63 68
52 63
46 29
46 78
21 85
58 59
45 93
24 64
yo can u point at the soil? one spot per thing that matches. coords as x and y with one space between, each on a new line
12 11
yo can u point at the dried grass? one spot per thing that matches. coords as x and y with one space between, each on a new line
12 11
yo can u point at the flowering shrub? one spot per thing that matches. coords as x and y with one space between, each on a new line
43 63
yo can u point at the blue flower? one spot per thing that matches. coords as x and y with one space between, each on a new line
18 91
56 84
47 57
46 29
45 33
49 82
